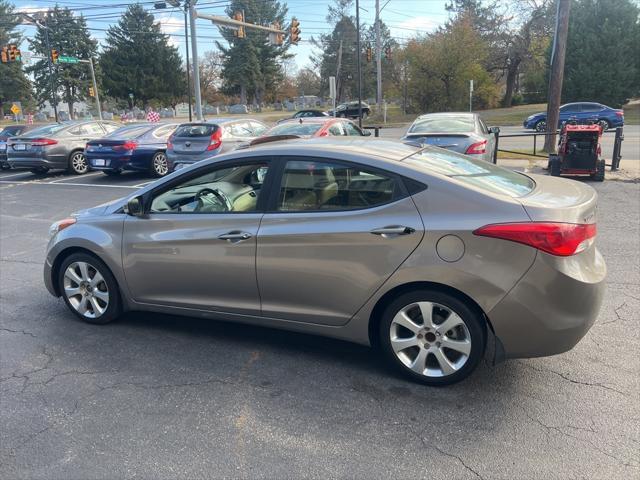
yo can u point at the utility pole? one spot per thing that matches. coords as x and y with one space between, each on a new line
359 55
196 67
557 73
338 82
186 48
95 88
378 57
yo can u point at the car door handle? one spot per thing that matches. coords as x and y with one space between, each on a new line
235 236
393 230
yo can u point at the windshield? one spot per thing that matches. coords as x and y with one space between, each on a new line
443 124
129 132
302 129
47 129
478 173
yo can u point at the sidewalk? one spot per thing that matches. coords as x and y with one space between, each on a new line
629 170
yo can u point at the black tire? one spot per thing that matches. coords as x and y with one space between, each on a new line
604 124
159 165
78 164
540 126
599 175
475 325
554 166
114 305
112 173
39 170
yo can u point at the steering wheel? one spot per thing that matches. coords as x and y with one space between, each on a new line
220 196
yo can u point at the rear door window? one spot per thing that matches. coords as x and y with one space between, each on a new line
478 173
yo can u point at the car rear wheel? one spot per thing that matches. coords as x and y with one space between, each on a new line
78 163
89 289
432 337
541 126
604 124
159 165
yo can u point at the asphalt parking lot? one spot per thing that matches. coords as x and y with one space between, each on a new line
156 396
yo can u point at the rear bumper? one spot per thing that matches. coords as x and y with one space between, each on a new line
34 162
126 163
552 307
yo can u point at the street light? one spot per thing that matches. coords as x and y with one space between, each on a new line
176 3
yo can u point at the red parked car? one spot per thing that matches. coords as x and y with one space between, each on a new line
317 127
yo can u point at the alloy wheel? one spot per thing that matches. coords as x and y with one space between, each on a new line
604 125
430 339
79 163
86 289
541 126
160 165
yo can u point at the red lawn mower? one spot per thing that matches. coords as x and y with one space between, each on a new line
578 152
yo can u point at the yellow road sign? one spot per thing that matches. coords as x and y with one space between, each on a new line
15 109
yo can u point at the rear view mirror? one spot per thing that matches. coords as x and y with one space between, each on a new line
134 207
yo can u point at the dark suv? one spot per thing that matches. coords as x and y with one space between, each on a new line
350 110
59 146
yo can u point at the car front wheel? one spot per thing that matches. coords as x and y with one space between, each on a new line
604 124
432 337
89 289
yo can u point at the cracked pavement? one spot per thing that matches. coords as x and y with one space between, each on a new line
158 396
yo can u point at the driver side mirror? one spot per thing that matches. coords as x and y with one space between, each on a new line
494 130
134 207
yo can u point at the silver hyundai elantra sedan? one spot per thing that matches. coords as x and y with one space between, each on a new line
432 256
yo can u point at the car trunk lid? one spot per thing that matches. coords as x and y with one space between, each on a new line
560 200
458 142
193 139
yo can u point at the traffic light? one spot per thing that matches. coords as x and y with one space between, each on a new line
387 53
369 53
92 92
239 16
54 55
294 33
276 38
4 54
13 53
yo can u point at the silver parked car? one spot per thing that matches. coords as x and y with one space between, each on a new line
192 142
427 253
59 146
461 132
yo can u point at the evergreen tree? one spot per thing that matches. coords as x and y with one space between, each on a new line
14 85
251 66
69 35
138 60
603 52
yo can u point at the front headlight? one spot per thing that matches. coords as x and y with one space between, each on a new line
60 225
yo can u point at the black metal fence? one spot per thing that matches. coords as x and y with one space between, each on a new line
615 157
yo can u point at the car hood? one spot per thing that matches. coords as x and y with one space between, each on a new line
105 208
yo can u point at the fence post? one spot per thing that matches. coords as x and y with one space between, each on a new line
617 146
496 133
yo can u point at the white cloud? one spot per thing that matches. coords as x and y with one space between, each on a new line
415 26
171 25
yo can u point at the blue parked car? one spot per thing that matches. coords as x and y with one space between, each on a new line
139 147
582 112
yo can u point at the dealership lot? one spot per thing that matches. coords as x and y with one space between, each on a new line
168 397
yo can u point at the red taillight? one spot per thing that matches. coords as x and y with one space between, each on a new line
128 145
216 139
478 147
170 141
43 142
561 239
620 113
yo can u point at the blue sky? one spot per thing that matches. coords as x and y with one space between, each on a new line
405 18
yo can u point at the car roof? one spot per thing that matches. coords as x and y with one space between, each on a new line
312 120
448 114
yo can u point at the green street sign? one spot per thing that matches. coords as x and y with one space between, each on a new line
64 59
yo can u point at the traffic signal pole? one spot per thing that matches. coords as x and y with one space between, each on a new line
359 63
54 97
378 58
95 86
195 62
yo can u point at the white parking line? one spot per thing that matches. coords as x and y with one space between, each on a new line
67 178
143 184
13 175
32 182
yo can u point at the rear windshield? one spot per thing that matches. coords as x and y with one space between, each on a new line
47 129
443 125
192 131
11 131
129 132
301 129
478 173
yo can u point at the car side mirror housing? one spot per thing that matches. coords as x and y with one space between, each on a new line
494 129
367 133
134 207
